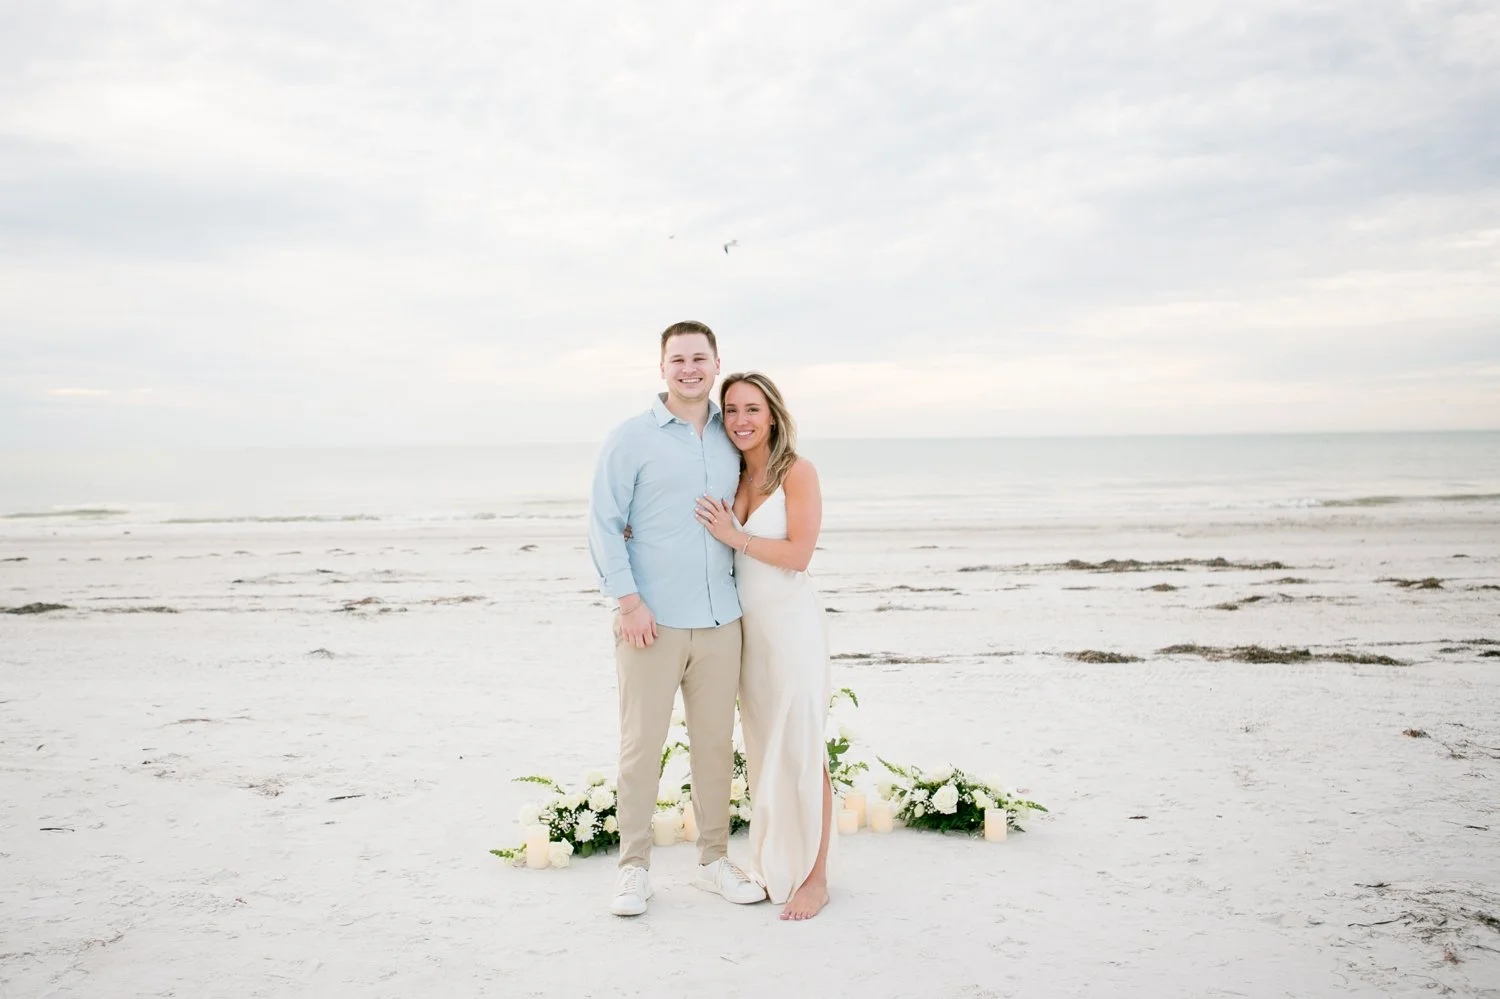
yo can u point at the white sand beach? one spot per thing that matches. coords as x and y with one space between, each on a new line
270 759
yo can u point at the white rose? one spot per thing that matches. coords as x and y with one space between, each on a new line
594 778
945 799
601 798
558 854
529 814
551 802
576 799
884 788
678 719
919 810
982 800
847 733
939 776
611 824
736 789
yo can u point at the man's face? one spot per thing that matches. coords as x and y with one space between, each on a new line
689 367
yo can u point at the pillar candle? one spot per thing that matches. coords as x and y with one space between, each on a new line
848 822
689 823
880 816
994 825
664 825
855 802
536 847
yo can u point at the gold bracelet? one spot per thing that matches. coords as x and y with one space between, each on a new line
745 548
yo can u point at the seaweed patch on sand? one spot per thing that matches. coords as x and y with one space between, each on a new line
1095 656
1259 654
1128 565
886 659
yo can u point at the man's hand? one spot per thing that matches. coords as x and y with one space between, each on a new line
637 623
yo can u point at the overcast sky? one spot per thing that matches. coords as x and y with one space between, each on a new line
379 222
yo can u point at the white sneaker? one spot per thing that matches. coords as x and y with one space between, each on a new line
723 877
631 892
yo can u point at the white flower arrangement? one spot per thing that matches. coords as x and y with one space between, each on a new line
949 800
581 822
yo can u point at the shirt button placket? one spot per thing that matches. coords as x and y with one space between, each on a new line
708 539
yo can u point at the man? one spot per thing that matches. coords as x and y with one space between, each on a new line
678 619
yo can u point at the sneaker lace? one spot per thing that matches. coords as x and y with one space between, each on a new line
633 881
733 870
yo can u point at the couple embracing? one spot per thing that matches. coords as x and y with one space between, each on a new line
702 522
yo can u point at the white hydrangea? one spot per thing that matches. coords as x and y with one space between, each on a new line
529 814
594 778
737 789
945 799
611 824
558 854
939 776
884 788
601 798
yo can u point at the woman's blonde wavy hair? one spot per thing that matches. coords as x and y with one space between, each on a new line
783 429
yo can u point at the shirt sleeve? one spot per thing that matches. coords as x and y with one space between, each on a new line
609 511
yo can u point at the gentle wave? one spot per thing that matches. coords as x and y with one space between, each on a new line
291 519
348 518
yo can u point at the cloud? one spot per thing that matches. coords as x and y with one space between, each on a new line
333 223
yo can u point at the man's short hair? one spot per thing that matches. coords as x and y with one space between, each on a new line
687 327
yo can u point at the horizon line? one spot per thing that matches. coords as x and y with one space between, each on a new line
806 440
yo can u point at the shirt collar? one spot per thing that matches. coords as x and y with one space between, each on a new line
665 416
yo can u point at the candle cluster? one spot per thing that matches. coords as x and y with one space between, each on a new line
857 812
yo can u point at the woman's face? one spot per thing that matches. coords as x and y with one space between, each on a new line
747 417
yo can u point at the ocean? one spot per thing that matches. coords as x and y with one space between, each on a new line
865 482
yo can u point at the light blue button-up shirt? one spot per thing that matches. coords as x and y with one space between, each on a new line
651 472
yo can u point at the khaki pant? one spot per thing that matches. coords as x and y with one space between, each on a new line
705 664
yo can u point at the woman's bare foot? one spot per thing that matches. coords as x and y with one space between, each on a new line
808 900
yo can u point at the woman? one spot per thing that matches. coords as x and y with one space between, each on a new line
784 675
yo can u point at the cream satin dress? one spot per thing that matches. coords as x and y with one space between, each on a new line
785 682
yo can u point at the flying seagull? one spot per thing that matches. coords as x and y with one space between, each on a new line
732 242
